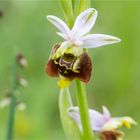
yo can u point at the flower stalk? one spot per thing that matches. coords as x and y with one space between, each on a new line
11 115
81 95
83 108
16 82
67 7
65 101
83 4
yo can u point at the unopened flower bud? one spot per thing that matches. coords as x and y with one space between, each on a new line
4 102
23 82
21 60
21 106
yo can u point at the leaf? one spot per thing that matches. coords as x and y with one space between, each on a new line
71 129
68 11
83 5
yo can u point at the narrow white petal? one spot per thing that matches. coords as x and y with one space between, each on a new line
84 22
96 118
106 114
62 35
97 40
59 24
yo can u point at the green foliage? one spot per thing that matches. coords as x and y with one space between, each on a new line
67 7
83 4
70 127
116 76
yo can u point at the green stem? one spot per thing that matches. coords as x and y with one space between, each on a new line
83 108
83 4
11 115
67 7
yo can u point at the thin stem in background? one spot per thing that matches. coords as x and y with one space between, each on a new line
11 115
83 108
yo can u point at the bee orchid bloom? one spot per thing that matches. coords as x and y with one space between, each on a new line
78 36
68 59
74 63
102 122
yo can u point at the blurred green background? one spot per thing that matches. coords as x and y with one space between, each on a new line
116 68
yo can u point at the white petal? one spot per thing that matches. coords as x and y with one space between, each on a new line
97 40
62 35
112 124
59 24
77 42
125 120
84 22
96 118
118 122
106 114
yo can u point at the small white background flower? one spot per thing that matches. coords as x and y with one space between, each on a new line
77 36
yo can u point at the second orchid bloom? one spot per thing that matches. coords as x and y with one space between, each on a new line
102 123
69 59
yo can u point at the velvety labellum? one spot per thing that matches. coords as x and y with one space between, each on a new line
70 66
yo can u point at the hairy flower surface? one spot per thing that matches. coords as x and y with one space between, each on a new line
102 122
70 65
111 135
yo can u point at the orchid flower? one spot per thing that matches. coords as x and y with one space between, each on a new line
68 59
78 35
101 121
